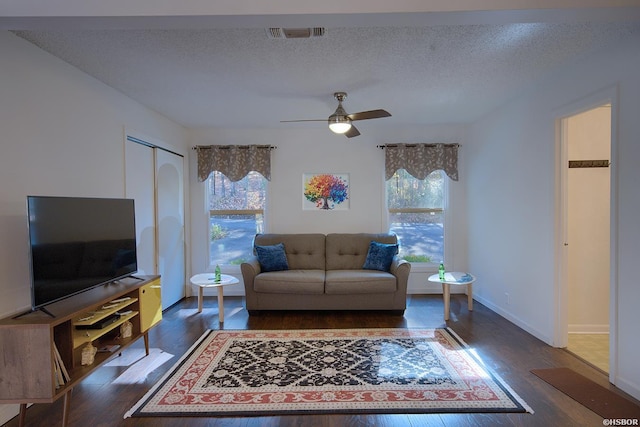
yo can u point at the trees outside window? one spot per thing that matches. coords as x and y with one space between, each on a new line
416 215
236 212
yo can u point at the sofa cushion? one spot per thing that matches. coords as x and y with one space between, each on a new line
359 282
304 251
290 282
272 257
348 251
380 256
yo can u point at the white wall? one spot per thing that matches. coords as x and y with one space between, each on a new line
314 149
589 138
62 134
511 189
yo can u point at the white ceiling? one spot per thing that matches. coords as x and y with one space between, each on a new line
422 74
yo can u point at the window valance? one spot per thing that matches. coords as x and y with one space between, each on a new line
234 161
421 159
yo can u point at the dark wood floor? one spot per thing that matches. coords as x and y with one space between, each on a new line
503 347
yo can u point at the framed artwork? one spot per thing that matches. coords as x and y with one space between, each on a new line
325 191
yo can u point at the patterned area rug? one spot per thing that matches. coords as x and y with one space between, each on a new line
327 371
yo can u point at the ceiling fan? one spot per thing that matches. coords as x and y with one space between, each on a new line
340 121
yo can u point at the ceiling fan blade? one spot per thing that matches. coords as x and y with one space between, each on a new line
373 114
352 132
308 120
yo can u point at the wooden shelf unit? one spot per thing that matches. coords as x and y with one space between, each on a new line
27 358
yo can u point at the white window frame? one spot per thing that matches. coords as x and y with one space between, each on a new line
429 267
231 268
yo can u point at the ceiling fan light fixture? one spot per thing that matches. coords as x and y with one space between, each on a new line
339 124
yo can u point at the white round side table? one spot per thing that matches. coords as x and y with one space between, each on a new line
454 278
208 280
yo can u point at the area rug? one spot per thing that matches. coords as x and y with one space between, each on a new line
275 372
590 394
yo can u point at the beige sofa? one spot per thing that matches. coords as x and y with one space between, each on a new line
325 272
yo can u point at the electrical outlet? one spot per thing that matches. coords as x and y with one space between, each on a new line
507 298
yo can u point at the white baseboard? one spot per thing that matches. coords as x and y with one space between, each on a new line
238 290
515 320
228 291
7 412
588 329
628 387
426 290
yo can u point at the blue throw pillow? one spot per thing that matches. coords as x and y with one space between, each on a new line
272 258
380 256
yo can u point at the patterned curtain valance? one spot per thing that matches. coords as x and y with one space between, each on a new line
234 161
421 159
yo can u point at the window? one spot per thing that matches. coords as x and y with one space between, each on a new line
416 215
236 211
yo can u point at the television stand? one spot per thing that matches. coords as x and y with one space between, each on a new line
44 357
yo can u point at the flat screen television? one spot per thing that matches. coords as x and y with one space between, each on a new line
77 244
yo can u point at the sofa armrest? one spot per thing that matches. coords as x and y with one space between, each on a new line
401 269
250 269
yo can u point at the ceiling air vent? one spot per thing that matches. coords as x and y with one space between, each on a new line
295 33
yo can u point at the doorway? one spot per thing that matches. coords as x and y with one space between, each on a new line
586 144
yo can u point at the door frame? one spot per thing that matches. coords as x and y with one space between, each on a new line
607 95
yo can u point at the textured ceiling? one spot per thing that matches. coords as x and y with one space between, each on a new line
239 77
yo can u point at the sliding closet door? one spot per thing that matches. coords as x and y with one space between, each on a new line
170 221
154 179
140 186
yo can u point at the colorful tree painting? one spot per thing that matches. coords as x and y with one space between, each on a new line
326 190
